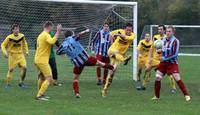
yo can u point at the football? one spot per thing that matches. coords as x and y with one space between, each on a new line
158 44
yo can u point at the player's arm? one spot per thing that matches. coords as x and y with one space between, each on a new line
3 47
175 46
114 34
78 36
55 38
62 49
25 46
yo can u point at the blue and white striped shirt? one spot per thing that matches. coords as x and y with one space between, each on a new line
170 50
74 50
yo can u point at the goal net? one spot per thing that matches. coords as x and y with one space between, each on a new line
187 34
31 14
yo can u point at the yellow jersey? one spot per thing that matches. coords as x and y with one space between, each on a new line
122 45
144 48
14 44
157 56
44 42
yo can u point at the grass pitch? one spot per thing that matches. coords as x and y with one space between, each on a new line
123 98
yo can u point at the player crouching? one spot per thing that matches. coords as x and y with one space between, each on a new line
80 58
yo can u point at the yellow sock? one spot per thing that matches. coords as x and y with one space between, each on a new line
43 88
40 82
9 77
146 78
108 81
22 75
172 82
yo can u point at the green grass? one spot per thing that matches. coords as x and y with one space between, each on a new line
123 98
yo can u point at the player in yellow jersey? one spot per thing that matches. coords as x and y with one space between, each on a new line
143 55
14 47
154 58
42 55
117 51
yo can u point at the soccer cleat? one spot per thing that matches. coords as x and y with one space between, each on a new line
77 95
42 98
127 60
99 82
173 91
187 98
8 86
22 85
143 88
104 93
47 97
138 85
155 98
57 84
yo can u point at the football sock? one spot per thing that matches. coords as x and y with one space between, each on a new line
75 86
157 87
40 82
98 73
182 87
43 88
105 75
9 77
172 82
108 66
22 75
108 81
146 78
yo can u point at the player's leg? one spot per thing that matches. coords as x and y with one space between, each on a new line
181 86
77 71
98 71
121 58
157 85
46 71
172 84
53 65
41 79
23 68
12 63
147 74
105 60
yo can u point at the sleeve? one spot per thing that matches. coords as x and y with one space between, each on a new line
51 40
62 49
25 45
139 47
3 46
175 47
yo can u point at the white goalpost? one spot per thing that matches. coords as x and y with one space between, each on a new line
188 36
133 11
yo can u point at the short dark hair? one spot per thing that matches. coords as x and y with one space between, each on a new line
162 25
68 33
14 26
47 24
129 25
106 23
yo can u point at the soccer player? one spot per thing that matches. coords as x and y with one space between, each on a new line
16 48
169 64
52 62
79 57
154 59
42 55
102 43
143 55
117 51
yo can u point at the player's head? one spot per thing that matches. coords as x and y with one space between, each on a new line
48 26
68 33
147 37
106 27
161 29
15 29
170 31
128 29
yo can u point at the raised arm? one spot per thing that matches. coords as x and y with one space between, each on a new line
3 47
55 38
